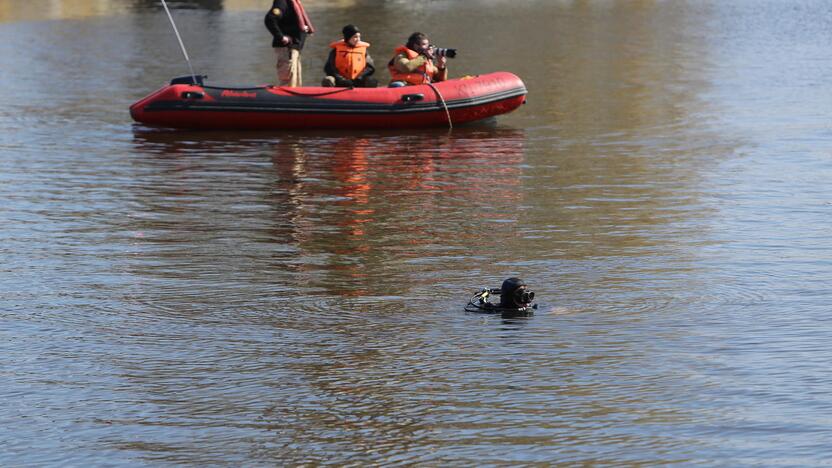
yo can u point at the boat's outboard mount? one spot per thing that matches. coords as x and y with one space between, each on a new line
516 300
190 80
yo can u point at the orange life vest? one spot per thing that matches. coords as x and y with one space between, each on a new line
422 75
350 61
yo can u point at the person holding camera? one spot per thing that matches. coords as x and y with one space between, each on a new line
289 25
349 64
418 62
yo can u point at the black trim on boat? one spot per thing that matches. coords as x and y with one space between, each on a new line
299 103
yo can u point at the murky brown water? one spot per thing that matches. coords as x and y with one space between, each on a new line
285 298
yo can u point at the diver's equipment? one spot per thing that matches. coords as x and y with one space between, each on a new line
515 299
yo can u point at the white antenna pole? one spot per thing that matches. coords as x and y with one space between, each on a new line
181 44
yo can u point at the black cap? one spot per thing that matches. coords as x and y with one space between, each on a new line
349 31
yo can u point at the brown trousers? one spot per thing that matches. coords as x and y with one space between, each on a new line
288 67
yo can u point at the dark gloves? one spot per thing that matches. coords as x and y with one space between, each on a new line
343 82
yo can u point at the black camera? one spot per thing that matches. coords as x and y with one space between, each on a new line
442 52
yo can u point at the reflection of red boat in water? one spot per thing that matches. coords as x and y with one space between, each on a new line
345 211
183 104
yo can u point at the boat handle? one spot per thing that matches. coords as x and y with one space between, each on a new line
413 97
192 95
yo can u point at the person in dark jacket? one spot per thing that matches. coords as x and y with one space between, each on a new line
349 63
289 25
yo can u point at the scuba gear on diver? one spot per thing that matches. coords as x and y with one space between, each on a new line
515 294
515 299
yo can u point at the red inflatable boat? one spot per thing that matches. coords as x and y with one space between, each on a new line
188 104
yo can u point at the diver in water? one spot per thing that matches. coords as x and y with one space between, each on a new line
515 300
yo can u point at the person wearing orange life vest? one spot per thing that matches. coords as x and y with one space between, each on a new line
415 63
349 63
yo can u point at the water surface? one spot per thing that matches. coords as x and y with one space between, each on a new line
275 298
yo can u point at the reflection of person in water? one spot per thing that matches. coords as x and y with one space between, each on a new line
351 169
